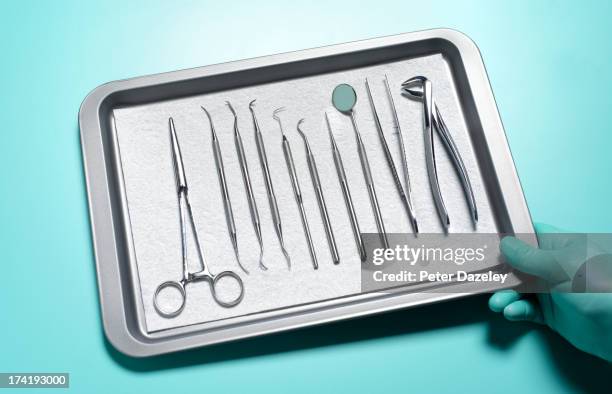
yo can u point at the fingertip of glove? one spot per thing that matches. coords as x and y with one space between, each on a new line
502 299
516 311
508 243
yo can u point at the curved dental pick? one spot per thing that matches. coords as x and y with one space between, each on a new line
263 160
227 203
244 168
295 184
316 183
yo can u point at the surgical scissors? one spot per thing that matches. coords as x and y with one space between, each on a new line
346 192
263 160
404 196
227 203
295 184
185 213
244 168
316 183
433 119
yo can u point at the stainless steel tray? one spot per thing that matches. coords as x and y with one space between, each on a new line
132 196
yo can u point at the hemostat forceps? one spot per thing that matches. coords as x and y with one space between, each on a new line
185 213
433 119
316 183
296 187
263 160
244 168
404 196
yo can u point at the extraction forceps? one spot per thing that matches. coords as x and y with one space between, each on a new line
344 99
404 196
244 168
316 183
346 192
185 213
296 187
227 203
263 160
433 119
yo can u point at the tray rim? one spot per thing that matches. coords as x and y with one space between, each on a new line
104 240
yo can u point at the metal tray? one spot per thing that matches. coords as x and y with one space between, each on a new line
132 197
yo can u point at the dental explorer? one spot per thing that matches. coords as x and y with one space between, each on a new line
316 183
346 192
244 168
227 203
296 187
263 160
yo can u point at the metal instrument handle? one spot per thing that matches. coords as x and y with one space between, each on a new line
298 198
261 150
247 180
430 155
169 284
453 151
329 232
353 217
292 172
349 203
367 173
214 280
224 191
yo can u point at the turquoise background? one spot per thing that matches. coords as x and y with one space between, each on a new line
549 65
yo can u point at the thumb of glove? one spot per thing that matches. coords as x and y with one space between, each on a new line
531 260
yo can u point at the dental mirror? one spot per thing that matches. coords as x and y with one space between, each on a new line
344 98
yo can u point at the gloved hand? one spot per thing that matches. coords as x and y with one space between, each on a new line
584 319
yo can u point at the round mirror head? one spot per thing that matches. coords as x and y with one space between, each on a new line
344 98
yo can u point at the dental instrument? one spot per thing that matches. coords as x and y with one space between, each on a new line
405 197
227 203
204 273
263 160
296 187
344 99
316 183
244 168
346 192
433 119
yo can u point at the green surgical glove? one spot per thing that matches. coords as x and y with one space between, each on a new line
584 319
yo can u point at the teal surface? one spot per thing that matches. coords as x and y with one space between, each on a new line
549 65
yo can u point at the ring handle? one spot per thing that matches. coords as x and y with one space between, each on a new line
213 286
176 285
